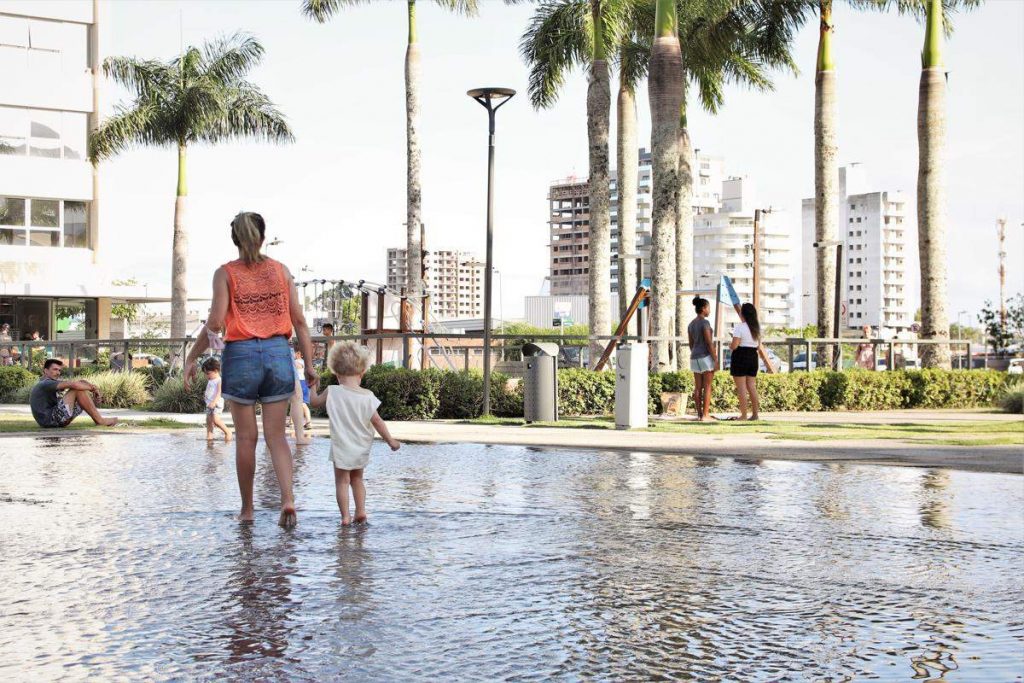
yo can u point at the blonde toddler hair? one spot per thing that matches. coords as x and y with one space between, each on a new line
348 358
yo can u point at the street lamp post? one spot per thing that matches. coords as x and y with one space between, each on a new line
960 326
491 99
837 353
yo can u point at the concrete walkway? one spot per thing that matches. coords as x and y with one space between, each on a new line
1008 459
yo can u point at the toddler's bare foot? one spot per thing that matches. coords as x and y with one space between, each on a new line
288 517
227 437
346 521
245 516
360 519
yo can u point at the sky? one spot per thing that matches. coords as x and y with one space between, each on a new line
336 197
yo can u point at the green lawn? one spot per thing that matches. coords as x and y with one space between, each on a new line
16 423
952 433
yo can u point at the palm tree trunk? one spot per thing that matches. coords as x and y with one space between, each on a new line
628 160
665 90
826 176
684 233
179 255
414 262
931 219
598 113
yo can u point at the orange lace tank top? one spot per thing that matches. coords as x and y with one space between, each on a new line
259 301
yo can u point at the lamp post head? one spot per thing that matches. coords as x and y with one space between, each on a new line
487 96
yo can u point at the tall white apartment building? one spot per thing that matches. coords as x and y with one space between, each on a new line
722 245
454 280
569 203
876 256
50 240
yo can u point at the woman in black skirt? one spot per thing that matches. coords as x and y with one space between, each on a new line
746 340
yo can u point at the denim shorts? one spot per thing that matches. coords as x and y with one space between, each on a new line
705 364
257 370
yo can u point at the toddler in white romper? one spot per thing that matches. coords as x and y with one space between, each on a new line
352 411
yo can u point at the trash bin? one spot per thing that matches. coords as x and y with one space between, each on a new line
631 383
540 382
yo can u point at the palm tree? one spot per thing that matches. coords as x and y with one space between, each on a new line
199 97
665 91
722 41
564 34
931 140
321 11
826 173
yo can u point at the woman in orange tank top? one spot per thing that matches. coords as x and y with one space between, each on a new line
257 307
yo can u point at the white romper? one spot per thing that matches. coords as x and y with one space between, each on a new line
350 411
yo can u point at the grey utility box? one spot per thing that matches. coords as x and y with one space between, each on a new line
540 382
631 382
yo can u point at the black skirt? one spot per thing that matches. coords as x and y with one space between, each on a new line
744 362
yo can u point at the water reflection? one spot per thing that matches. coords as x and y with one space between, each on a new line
121 561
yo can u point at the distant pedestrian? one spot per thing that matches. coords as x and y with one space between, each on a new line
256 304
866 351
703 358
6 358
297 405
214 400
746 349
353 416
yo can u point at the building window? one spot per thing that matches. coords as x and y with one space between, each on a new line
43 133
43 223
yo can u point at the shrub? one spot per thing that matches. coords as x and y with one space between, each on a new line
21 395
120 389
585 392
1013 402
154 375
460 394
12 379
404 394
171 397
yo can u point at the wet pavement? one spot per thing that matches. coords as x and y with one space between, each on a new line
120 559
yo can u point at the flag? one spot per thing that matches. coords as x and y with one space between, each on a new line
733 297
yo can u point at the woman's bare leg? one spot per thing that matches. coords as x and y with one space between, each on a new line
246 436
741 393
359 494
698 394
281 457
709 380
755 400
341 483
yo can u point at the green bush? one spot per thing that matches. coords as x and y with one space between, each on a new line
585 392
21 395
12 379
460 394
1013 402
120 389
404 394
171 397
154 375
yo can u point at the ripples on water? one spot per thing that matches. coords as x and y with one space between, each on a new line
120 559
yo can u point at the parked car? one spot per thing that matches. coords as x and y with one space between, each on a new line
800 360
1016 366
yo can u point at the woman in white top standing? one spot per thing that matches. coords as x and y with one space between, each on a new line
353 416
745 346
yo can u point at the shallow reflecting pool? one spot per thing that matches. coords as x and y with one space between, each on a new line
120 559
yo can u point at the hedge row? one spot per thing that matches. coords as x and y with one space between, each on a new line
430 394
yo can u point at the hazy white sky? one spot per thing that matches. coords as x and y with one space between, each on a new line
337 196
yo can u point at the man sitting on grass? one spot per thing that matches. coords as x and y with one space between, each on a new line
50 409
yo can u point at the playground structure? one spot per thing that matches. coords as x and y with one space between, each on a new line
388 322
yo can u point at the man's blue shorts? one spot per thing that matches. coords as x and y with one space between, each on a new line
257 370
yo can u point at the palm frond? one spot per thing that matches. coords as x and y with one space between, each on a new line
322 10
140 125
467 8
142 76
557 40
634 59
229 58
919 9
245 112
